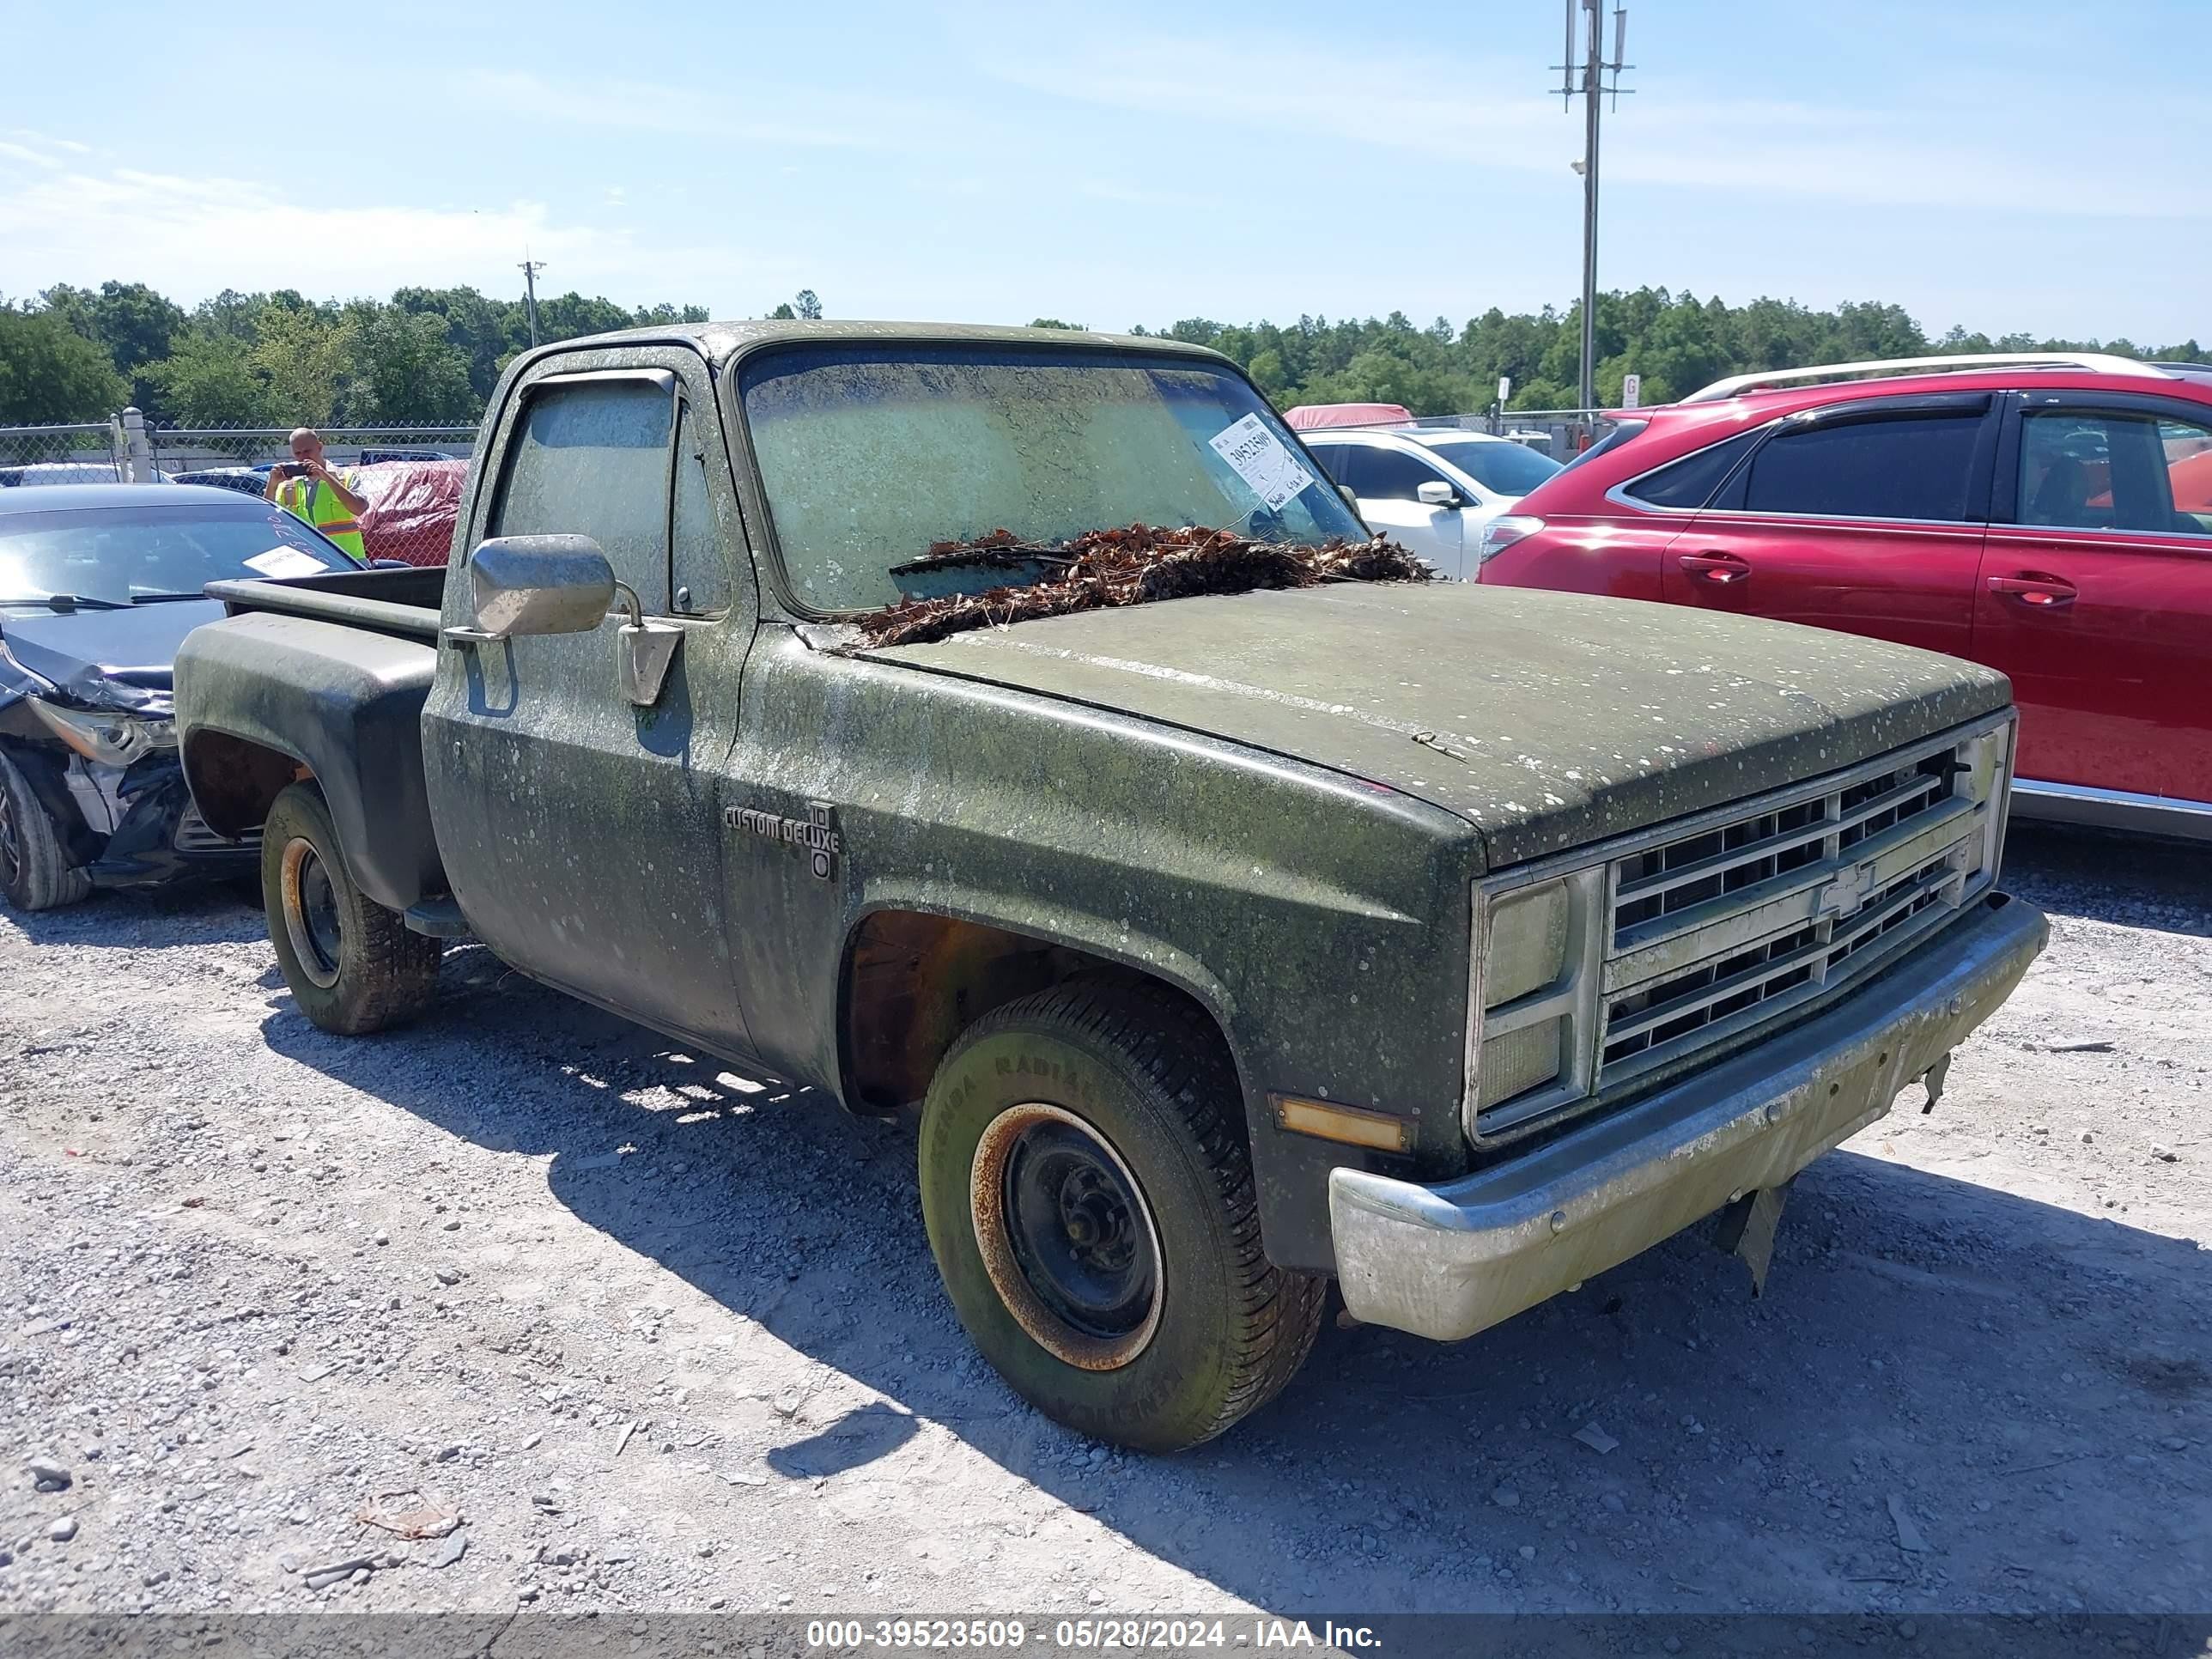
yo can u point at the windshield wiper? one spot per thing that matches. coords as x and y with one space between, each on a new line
67 602
163 598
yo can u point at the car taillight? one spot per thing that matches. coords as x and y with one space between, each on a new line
1501 534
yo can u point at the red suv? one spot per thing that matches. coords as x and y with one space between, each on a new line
2048 514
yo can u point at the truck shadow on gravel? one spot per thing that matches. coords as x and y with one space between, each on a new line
2030 1388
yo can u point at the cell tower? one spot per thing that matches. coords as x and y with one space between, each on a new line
1591 77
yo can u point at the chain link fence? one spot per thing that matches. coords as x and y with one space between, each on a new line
88 453
178 450
411 477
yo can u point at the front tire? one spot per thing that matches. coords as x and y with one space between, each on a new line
1087 1188
352 965
35 868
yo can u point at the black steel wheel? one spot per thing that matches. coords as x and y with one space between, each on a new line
1087 1187
1066 1236
352 965
310 908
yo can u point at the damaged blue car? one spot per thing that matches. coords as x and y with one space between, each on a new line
98 584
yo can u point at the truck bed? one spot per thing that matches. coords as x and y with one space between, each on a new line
401 603
320 676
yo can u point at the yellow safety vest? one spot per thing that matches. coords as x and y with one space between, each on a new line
307 500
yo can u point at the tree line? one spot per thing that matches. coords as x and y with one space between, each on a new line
426 357
431 356
1676 343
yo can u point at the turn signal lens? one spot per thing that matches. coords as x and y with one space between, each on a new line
1351 1125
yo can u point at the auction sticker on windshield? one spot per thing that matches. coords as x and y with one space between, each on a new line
286 562
1262 461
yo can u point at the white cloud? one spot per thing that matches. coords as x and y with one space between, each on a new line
1777 149
39 158
191 237
42 148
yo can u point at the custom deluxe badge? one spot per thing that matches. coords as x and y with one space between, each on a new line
816 834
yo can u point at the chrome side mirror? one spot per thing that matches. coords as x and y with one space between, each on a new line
522 585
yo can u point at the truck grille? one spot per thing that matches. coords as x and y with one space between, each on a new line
1719 930
194 835
1721 925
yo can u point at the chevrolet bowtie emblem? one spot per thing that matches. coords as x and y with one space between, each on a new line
1843 897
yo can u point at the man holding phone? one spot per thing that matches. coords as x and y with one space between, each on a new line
311 492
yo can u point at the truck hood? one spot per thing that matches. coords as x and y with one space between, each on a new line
1548 721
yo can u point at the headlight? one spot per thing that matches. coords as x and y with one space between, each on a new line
108 736
1529 1044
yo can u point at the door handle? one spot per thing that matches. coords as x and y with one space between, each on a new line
1722 568
2044 592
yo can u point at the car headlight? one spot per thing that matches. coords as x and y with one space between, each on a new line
1537 969
110 736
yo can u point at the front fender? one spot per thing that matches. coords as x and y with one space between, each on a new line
1320 920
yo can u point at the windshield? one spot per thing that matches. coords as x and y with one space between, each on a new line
119 554
871 454
1502 468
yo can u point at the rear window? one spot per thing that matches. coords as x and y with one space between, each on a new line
1621 432
1690 481
1906 466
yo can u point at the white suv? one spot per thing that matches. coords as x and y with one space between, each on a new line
1432 488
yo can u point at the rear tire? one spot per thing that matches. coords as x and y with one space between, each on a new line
34 866
1087 1188
352 965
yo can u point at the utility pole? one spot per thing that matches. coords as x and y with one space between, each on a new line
530 270
1594 70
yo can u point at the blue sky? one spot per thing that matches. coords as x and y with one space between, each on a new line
2036 165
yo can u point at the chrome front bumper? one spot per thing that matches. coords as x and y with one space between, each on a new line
1449 1261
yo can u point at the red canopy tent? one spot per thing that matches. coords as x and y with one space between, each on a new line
1307 417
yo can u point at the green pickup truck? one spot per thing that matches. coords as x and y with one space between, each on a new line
1453 943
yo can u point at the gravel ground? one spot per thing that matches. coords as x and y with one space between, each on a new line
663 1339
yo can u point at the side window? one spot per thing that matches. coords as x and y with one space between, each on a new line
1690 481
1331 457
699 579
1354 467
2188 449
2084 469
1391 475
1905 466
591 459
